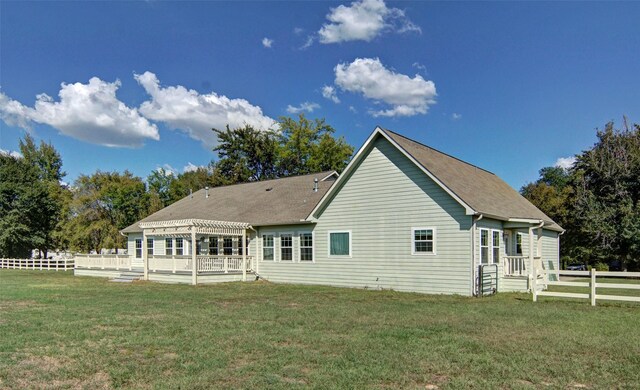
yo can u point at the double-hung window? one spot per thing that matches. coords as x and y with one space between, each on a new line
213 245
484 246
138 248
168 246
423 241
227 246
286 247
519 244
267 247
340 243
179 246
495 242
306 246
150 246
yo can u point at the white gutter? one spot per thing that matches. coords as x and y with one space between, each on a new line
473 251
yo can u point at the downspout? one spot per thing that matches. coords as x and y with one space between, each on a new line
473 252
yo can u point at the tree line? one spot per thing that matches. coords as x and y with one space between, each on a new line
38 211
597 200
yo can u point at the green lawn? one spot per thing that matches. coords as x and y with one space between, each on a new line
61 331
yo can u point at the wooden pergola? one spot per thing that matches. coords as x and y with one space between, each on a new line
190 229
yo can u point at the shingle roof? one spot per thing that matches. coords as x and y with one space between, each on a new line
482 190
269 202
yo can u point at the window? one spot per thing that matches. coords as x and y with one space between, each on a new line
138 248
213 245
179 246
484 246
495 242
339 243
168 246
519 244
286 247
227 246
306 246
240 246
150 246
423 241
267 247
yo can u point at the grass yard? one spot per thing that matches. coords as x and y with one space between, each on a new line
61 331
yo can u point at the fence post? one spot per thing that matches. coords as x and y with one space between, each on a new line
592 285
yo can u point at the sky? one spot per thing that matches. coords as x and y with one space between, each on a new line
508 86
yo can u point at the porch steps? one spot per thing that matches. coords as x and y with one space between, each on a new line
128 277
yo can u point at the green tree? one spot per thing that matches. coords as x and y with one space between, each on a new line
245 154
309 146
158 186
606 181
187 182
103 204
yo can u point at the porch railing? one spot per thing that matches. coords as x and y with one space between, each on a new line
516 265
117 262
205 263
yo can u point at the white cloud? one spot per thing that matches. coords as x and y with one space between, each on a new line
368 76
11 153
353 109
88 112
192 167
565 162
455 116
419 66
329 92
196 113
266 42
298 30
166 170
306 106
363 20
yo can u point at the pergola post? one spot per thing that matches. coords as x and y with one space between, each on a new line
244 255
145 256
194 259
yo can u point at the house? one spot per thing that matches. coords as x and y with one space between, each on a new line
401 216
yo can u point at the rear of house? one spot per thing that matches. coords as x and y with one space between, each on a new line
401 216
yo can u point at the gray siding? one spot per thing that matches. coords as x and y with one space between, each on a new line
383 199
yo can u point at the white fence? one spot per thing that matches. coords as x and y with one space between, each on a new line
591 283
38 264
516 265
116 262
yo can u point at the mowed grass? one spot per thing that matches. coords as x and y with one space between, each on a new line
61 331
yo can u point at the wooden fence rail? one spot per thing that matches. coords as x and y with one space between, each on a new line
592 284
38 264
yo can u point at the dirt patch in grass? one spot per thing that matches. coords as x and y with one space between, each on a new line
48 372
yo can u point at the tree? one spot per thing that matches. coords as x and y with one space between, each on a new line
158 186
194 180
309 146
246 154
606 180
103 204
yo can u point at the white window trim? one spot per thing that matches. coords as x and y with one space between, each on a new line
272 247
172 247
135 248
313 246
488 246
515 244
350 255
152 247
496 261
413 241
293 257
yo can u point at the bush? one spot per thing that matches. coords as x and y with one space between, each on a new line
599 266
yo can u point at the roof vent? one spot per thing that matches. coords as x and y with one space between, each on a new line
206 191
315 185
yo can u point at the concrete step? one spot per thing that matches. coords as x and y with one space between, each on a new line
128 277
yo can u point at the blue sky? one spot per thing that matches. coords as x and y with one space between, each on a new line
511 87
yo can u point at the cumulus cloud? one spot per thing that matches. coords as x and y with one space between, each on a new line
565 162
11 153
192 167
368 76
306 106
455 116
195 113
89 112
363 20
266 42
329 92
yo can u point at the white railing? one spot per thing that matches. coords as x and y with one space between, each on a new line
116 262
180 263
223 263
589 282
38 264
516 265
